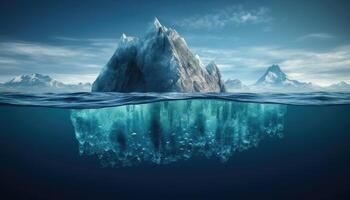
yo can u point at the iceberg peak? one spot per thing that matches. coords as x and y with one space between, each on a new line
273 75
156 23
275 69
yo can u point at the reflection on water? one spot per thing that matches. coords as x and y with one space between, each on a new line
165 132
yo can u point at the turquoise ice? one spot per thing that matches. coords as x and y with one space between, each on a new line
164 132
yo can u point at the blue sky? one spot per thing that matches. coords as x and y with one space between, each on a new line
72 40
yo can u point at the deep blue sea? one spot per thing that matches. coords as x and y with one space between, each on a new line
175 146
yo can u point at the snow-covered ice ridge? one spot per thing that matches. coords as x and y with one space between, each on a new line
165 132
34 83
158 62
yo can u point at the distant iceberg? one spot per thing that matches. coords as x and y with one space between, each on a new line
274 79
165 132
235 85
39 83
341 86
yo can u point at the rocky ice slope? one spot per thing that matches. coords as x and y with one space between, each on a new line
159 62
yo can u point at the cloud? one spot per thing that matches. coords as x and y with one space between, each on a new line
312 36
98 42
320 67
36 50
82 59
230 16
8 61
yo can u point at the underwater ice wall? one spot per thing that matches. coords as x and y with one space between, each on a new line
165 132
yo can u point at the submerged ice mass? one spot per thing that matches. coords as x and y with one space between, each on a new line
165 132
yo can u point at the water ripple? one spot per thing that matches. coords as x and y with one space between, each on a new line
112 99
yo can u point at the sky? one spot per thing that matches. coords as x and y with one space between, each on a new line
72 40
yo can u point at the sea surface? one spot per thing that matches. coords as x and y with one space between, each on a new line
175 146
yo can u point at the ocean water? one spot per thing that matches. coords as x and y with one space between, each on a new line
175 146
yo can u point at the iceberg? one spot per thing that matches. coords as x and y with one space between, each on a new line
274 79
160 61
165 132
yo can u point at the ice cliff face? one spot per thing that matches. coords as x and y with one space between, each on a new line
159 62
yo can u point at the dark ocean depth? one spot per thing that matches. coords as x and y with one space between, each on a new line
305 154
